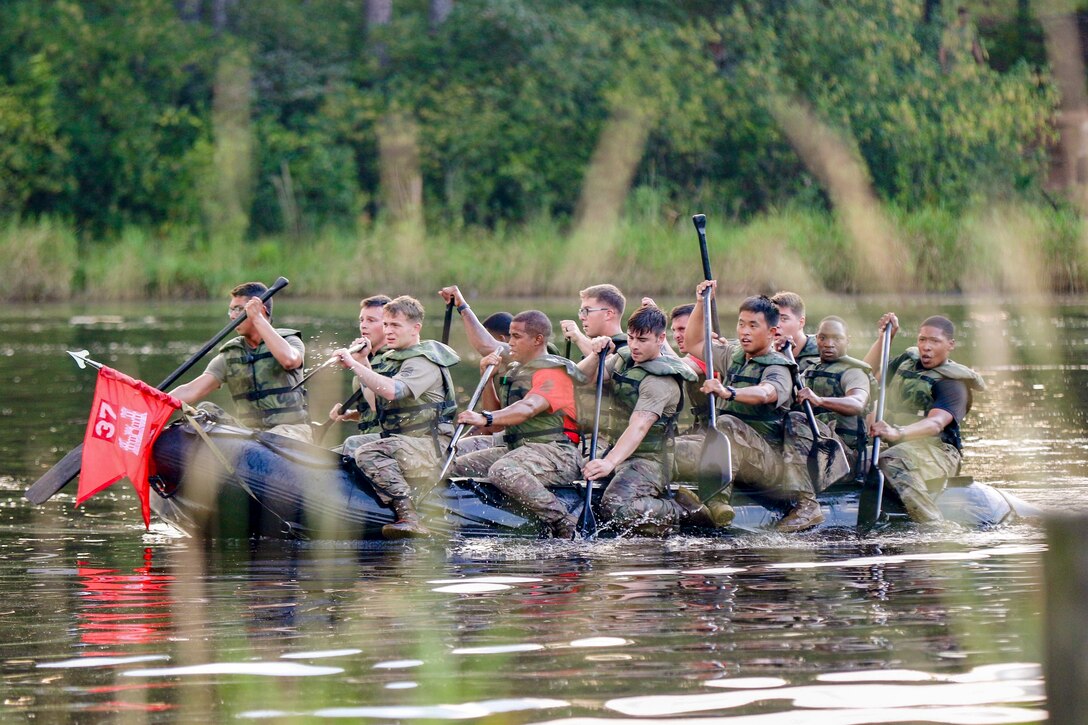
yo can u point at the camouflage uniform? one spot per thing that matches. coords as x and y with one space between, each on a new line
415 430
755 432
637 493
537 453
909 464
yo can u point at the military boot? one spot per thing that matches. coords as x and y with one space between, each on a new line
695 513
407 524
805 514
720 511
565 528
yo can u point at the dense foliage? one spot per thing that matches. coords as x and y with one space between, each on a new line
266 119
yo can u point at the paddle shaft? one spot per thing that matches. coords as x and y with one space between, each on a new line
699 220
587 524
709 354
321 429
447 322
810 415
461 427
885 352
872 493
68 467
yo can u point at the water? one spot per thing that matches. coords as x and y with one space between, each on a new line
100 617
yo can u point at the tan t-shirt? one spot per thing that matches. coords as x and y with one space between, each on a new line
423 378
777 375
217 368
656 394
854 378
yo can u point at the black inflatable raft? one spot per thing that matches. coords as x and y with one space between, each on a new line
283 488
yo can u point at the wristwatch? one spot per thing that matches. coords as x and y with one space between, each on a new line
488 418
732 392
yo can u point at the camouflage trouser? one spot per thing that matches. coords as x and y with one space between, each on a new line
353 443
298 431
795 452
637 495
524 473
757 465
391 462
908 465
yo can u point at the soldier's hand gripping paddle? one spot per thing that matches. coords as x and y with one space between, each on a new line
826 454
68 467
715 470
587 522
872 491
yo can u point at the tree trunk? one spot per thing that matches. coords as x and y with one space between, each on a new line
379 13
440 10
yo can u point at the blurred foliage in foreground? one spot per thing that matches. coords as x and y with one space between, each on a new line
149 142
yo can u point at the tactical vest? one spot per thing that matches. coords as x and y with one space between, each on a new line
825 379
368 417
619 340
546 427
405 416
911 391
809 355
700 401
626 378
767 419
261 388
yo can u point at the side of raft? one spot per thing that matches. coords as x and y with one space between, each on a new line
278 487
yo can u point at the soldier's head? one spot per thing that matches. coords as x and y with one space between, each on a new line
646 333
832 338
498 325
370 318
529 334
936 340
791 314
757 324
239 296
601 310
678 322
402 319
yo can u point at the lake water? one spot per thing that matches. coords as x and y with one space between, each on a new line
100 619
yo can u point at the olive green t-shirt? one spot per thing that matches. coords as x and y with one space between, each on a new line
423 378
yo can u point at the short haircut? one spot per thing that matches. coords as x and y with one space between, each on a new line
681 311
942 323
647 319
791 301
410 307
253 289
374 301
608 295
536 323
498 323
835 318
761 304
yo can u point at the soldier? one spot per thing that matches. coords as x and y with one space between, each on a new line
646 393
928 395
600 314
536 412
409 386
756 396
260 367
838 388
370 327
791 327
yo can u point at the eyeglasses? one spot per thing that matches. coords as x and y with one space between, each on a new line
235 310
586 310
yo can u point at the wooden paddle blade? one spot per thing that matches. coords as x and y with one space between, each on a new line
870 501
715 471
56 477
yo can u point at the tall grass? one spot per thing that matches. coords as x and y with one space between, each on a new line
654 251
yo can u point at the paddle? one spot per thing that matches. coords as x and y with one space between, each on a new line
462 427
321 429
829 448
447 322
699 220
587 522
322 366
68 467
715 470
872 491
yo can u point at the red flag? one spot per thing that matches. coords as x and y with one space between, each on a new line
127 416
